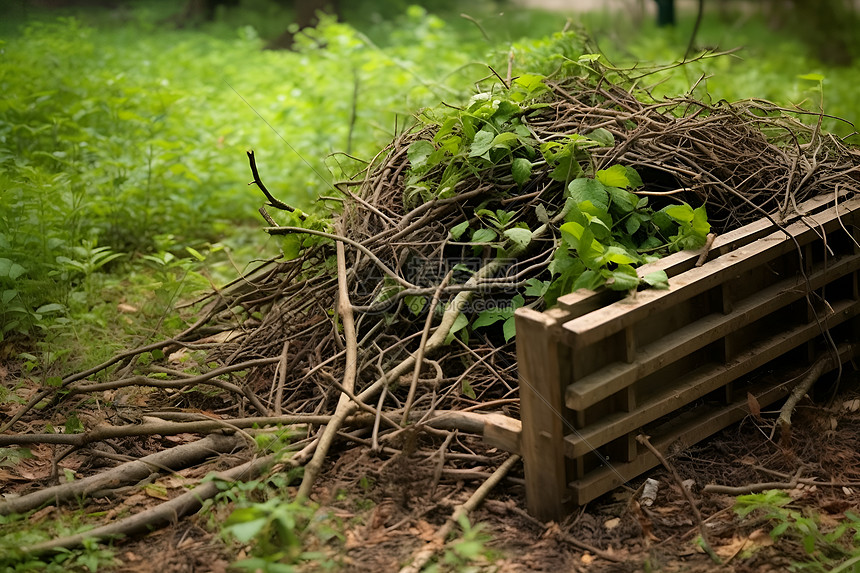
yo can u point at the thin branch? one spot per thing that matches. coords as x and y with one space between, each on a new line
420 559
276 203
703 532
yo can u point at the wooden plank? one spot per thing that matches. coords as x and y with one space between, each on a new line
503 432
605 479
687 429
709 378
541 406
592 327
583 301
603 383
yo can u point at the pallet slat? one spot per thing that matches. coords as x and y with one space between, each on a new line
599 369
602 384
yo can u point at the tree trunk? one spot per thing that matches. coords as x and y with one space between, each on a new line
306 16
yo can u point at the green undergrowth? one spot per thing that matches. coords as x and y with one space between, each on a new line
18 531
120 145
826 545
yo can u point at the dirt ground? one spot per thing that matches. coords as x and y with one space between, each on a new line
390 506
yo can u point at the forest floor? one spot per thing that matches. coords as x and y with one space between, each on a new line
386 508
402 510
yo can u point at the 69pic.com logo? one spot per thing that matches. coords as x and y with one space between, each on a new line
384 295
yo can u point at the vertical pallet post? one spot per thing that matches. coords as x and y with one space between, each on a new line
541 411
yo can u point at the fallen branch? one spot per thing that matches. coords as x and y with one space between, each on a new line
100 433
822 365
754 488
703 533
128 473
424 555
709 242
435 341
159 515
344 408
419 360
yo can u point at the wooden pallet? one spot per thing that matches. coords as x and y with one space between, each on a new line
678 364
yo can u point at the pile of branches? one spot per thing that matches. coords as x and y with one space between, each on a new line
352 339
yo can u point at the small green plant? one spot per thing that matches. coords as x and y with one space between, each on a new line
467 553
277 532
836 549
18 531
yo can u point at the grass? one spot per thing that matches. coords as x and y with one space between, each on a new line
121 145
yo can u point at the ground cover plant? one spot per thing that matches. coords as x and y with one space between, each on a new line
121 145
541 183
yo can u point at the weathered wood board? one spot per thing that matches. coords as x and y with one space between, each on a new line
677 364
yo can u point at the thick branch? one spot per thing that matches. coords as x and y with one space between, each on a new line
128 473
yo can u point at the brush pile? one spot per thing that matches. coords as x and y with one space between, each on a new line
391 325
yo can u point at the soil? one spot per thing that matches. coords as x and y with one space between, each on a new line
388 507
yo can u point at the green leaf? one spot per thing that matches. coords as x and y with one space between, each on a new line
505 112
541 214
519 236
603 137
571 232
635 181
466 389
812 77
196 254
623 278
49 308
531 83
509 329
657 279
481 144
779 529
73 424
7 296
625 201
487 318
484 236
11 269
461 322
562 262
458 230
700 222
682 213
585 189
521 169
418 153
415 304
504 140
536 287
618 256
615 176
567 168
589 279
245 531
